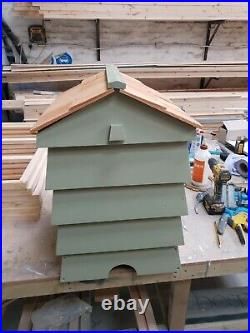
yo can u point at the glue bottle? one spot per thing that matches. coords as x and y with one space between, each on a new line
195 144
201 169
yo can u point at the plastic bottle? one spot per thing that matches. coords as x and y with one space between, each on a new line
195 144
199 140
201 170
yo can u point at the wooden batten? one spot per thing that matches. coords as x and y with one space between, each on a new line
35 173
12 105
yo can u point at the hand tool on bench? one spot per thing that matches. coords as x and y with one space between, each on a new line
239 223
237 219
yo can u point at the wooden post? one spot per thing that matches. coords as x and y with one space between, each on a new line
25 323
178 301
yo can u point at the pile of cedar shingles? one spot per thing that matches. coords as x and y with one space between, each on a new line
18 146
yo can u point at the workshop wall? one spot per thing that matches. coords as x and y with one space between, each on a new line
230 43
126 41
170 41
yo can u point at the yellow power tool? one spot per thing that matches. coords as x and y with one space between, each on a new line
239 223
213 203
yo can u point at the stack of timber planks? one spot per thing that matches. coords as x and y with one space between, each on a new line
17 129
143 72
210 108
18 146
18 203
13 166
194 11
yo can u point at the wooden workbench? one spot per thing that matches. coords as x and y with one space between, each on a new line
30 267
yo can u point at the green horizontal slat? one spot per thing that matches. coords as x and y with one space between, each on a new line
98 265
118 203
119 236
70 168
91 126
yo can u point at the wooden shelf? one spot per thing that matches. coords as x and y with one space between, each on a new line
156 11
52 73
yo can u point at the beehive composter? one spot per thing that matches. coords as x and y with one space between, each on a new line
117 163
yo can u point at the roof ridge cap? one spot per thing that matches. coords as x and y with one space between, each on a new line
114 78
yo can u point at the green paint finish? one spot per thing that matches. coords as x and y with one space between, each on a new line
117 165
116 133
97 266
91 127
119 236
114 78
118 203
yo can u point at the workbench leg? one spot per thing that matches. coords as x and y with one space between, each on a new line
178 302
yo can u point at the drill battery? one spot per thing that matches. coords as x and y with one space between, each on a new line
212 206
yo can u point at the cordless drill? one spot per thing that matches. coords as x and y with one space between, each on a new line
213 203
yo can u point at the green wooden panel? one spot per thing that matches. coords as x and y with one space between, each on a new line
91 126
97 266
119 236
118 203
104 166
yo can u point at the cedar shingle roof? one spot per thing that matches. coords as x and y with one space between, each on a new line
95 88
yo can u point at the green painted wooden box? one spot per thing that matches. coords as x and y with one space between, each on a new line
117 162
